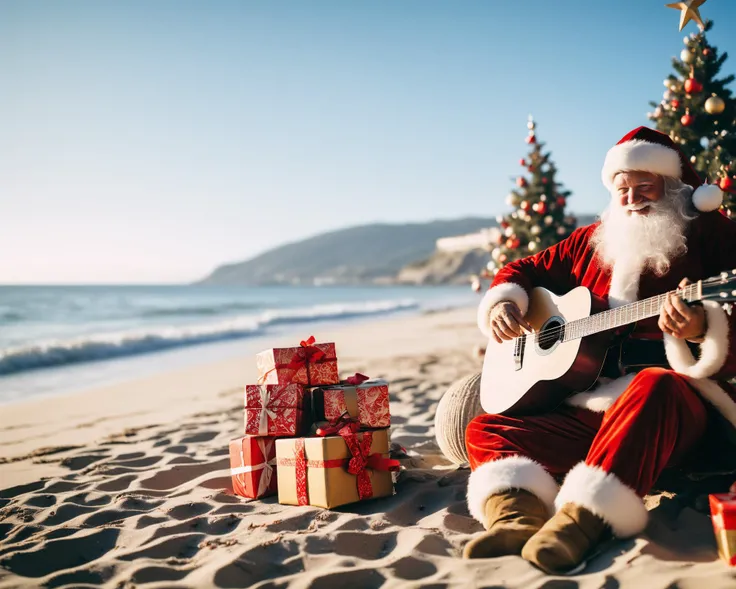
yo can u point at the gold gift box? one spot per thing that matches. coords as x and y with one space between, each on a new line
723 514
328 483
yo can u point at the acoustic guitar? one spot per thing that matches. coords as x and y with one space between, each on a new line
566 349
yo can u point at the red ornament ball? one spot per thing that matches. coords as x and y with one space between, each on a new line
504 224
561 202
531 138
687 120
726 183
525 206
541 208
544 180
521 182
502 258
531 168
675 104
706 51
692 86
522 162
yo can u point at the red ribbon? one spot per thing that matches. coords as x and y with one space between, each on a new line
333 427
362 460
358 465
357 379
733 561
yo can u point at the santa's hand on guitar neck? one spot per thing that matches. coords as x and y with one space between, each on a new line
681 321
507 321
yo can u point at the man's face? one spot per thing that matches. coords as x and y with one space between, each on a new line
636 191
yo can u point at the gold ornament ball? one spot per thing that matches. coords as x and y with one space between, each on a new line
532 246
509 231
715 105
512 200
548 220
693 159
561 231
496 253
687 56
536 230
490 266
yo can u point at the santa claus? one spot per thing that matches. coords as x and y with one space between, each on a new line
661 381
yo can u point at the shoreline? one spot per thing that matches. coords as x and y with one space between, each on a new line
77 418
54 380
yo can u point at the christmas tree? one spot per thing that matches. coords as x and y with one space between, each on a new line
539 218
698 111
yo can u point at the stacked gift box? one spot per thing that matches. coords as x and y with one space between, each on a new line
723 514
310 437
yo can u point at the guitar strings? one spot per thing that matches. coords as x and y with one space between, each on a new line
551 335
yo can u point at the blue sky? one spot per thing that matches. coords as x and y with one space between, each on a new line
150 141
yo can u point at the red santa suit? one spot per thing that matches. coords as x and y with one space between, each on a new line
613 442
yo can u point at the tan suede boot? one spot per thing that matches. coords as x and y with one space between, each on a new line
565 540
511 518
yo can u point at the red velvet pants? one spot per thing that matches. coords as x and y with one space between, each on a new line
651 426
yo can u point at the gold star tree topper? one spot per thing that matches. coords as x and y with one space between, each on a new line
689 11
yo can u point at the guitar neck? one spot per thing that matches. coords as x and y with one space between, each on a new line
626 314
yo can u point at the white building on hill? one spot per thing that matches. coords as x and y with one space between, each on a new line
471 241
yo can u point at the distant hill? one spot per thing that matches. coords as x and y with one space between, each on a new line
368 253
453 267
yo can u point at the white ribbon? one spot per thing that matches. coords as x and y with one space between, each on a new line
267 467
265 411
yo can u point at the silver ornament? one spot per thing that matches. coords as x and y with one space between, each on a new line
687 56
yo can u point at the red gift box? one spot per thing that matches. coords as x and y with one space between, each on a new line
253 466
366 400
723 514
308 364
274 410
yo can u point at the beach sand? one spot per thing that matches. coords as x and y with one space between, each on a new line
129 486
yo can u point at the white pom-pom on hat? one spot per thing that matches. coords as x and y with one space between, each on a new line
707 197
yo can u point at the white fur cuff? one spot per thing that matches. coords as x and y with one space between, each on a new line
508 291
606 496
603 396
515 472
713 351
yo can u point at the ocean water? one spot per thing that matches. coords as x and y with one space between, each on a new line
54 339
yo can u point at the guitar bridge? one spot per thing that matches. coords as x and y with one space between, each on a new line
518 352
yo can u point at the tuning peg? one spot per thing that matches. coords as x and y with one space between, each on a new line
728 308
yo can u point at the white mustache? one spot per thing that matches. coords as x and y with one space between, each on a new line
638 207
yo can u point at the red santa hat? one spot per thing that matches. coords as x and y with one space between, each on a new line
647 150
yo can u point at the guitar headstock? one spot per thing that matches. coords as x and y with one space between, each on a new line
721 288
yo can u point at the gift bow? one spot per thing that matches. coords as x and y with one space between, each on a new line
362 460
267 466
306 355
334 427
357 379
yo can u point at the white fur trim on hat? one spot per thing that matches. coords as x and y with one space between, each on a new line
713 350
515 472
642 156
507 291
606 496
707 197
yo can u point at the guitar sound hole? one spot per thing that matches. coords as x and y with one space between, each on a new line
550 335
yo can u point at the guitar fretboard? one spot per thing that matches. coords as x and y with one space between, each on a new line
624 315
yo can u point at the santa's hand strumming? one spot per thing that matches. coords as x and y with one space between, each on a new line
609 445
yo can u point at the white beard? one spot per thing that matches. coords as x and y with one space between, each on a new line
636 243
